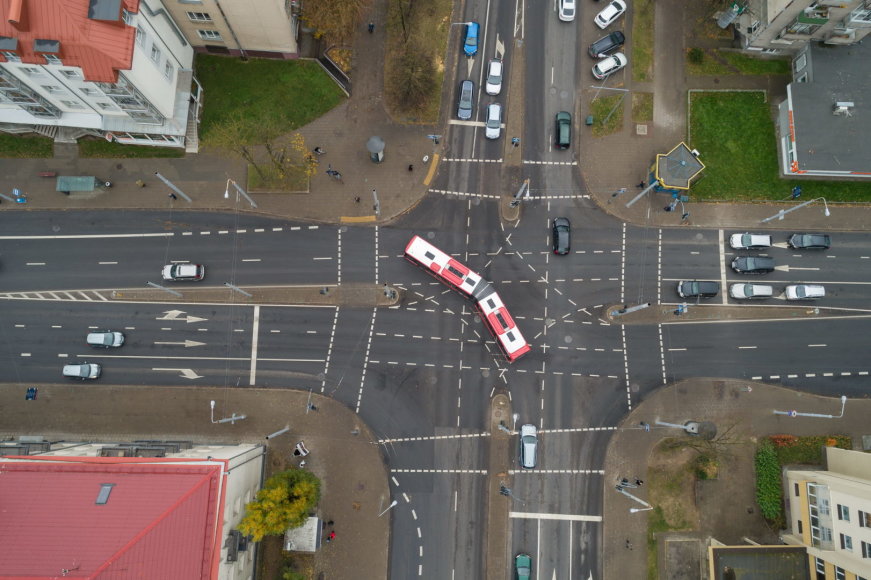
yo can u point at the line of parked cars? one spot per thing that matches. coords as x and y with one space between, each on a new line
493 86
606 48
759 265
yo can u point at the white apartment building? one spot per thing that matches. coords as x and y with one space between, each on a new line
117 69
830 514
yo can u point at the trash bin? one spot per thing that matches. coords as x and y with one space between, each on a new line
589 120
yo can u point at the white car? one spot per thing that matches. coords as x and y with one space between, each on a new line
528 446
493 124
805 292
751 291
184 272
105 339
610 13
494 77
750 241
609 65
83 371
567 10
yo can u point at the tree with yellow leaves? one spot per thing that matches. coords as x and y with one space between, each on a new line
284 502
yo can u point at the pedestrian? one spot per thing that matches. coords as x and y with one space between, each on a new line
331 537
628 544
668 208
318 151
411 167
639 482
640 185
371 27
330 523
173 196
357 199
624 481
312 407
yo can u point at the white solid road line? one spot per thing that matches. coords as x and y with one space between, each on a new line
545 516
88 236
255 335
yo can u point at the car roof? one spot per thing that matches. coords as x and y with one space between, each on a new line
496 64
472 29
564 115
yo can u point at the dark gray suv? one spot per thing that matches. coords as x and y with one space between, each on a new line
753 265
607 45
697 289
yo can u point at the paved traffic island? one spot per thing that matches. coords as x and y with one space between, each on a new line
348 295
665 313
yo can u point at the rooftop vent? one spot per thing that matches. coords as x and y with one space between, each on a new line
842 108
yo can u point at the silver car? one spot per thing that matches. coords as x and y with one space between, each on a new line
805 292
464 108
751 291
83 371
528 446
493 124
105 339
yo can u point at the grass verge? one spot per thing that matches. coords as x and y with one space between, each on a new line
642 40
642 107
273 97
20 146
669 489
601 108
708 62
735 135
104 149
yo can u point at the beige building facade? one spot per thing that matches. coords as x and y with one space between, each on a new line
247 28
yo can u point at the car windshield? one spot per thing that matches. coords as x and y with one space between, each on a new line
493 118
495 75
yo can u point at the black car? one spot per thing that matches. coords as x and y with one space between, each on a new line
607 44
562 236
753 265
697 289
563 137
810 241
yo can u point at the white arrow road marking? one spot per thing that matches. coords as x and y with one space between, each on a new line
185 344
786 268
185 373
471 62
175 315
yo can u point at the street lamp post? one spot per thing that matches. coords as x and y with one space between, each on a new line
636 510
232 419
392 505
779 215
817 415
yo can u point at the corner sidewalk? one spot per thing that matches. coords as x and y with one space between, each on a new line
747 405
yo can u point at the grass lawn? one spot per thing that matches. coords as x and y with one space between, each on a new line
19 146
600 108
295 180
701 62
272 96
810 450
105 149
642 40
642 107
735 135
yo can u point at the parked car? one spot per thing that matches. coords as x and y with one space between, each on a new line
805 291
493 124
567 10
83 371
470 45
184 272
494 77
609 65
750 291
607 44
105 339
753 265
610 13
810 241
562 236
523 567
464 107
750 241
697 289
528 446
563 133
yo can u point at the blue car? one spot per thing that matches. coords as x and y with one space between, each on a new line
470 46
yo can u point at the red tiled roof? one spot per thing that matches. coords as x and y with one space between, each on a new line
101 48
162 519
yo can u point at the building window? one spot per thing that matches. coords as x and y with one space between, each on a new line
209 34
140 36
840 574
105 106
30 70
127 17
846 543
802 78
51 59
89 91
843 513
862 13
821 565
155 53
801 28
801 62
72 104
796 489
11 56
866 549
53 89
799 526
168 70
199 17
864 519
71 74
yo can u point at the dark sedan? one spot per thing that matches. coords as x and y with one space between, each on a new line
810 241
562 236
753 265
697 289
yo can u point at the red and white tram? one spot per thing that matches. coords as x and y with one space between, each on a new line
470 284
